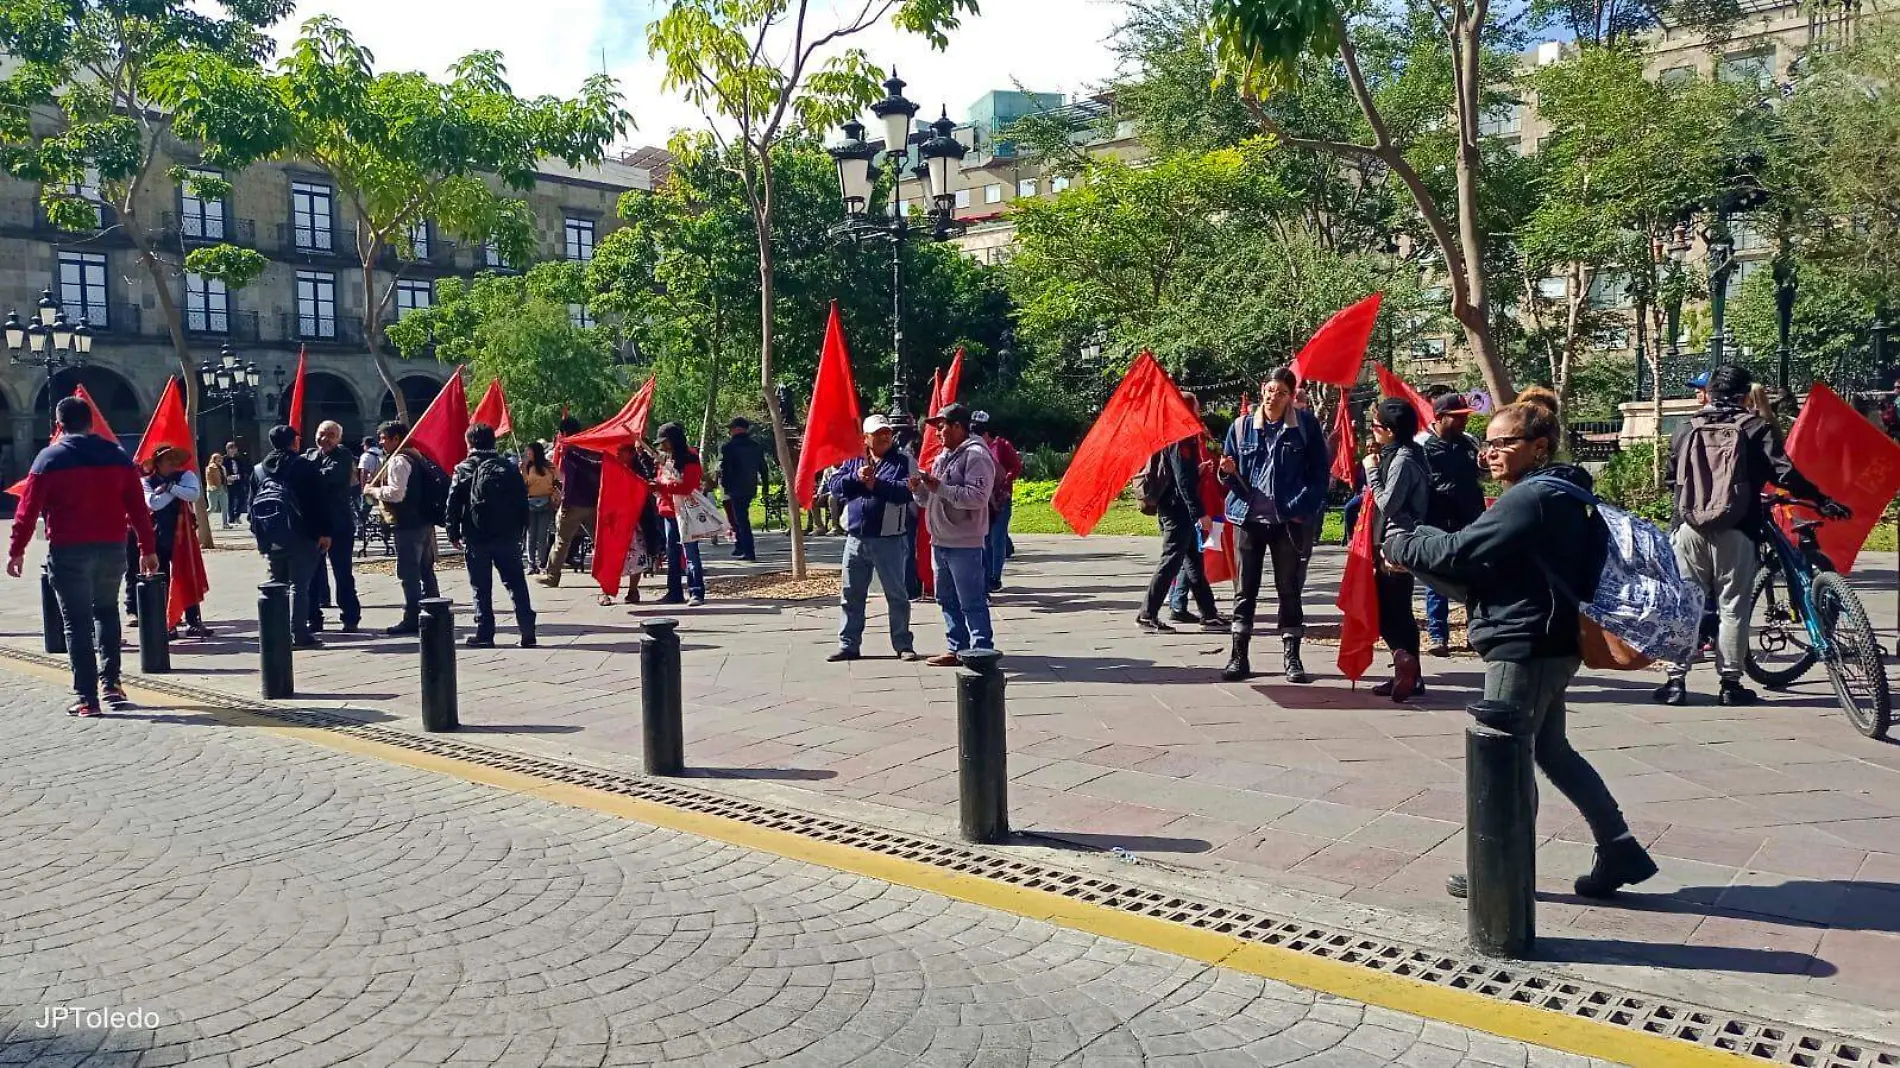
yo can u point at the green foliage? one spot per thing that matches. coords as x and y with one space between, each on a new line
1628 482
235 267
1261 42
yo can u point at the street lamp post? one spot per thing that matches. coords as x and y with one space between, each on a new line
1786 284
858 174
47 341
1721 246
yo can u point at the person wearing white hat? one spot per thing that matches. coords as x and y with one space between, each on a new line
875 493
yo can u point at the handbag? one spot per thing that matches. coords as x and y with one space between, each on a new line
699 519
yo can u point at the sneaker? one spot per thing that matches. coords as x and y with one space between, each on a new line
477 641
944 660
1153 625
841 655
1673 692
1182 616
908 656
305 641
86 710
552 580
1438 648
198 630
1623 862
695 602
115 698
350 626
1734 693
1457 887
1217 625
403 630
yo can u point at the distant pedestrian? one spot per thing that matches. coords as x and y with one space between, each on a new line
648 544
290 519
679 477
336 572
822 518
580 499
1213 503
1401 495
877 510
217 497
543 498
955 494
1009 468
413 494
741 473
1174 488
170 488
88 491
487 514
1457 499
237 482
908 442
369 460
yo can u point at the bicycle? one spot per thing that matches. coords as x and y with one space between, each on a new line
1802 612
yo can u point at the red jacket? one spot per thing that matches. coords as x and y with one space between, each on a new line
687 485
90 494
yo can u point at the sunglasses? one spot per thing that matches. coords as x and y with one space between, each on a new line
1502 443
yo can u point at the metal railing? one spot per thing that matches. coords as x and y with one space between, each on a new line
219 322
207 229
315 330
1595 441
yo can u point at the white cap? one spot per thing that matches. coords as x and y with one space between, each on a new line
875 423
979 417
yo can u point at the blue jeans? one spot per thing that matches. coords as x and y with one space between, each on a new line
1437 617
863 557
682 562
996 546
86 584
963 592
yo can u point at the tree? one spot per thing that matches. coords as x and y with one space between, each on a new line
517 328
404 148
757 69
101 71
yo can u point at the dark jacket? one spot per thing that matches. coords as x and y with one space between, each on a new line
1457 485
1401 490
1505 559
882 512
580 478
507 516
741 466
1292 474
304 483
89 492
1182 503
1763 460
335 468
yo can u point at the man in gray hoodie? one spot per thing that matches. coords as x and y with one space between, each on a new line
955 495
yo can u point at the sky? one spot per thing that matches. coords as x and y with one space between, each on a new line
549 46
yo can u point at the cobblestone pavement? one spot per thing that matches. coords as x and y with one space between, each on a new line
273 902
1777 826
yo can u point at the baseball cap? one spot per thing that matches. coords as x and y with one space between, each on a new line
1451 404
953 412
978 417
1700 381
875 423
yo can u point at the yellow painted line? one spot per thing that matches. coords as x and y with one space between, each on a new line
1525 1023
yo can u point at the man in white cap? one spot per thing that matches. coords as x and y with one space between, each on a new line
874 491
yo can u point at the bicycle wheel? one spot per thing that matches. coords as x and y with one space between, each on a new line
1853 660
1778 648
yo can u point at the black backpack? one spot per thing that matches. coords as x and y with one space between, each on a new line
428 497
1155 482
497 499
275 517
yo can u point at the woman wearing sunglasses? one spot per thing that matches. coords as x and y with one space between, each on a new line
1509 565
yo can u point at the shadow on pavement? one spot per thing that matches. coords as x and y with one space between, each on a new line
1686 958
1133 843
518 728
786 774
1843 904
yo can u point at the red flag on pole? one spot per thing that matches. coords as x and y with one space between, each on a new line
441 433
1358 599
1391 385
296 393
99 427
953 379
833 429
932 442
1850 460
1345 447
623 493
625 427
1145 415
493 409
1337 351
168 428
189 582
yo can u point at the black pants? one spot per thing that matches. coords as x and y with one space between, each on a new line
739 514
295 563
1539 686
1288 544
1180 552
1397 626
86 582
193 615
340 591
487 558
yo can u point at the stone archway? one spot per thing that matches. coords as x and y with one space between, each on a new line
327 397
118 401
417 392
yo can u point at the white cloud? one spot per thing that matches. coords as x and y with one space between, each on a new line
551 45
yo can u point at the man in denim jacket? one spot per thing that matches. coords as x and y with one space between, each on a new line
877 519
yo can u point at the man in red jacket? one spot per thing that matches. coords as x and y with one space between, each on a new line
89 492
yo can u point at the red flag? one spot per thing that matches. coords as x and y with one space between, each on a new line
623 493
1852 461
625 427
833 430
99 427
296 393
1145 415
493 409
1246 407
1358 599
441 433
932 444
1345 447
168 428
1337 351
1391 385
189 583
1217 555
952 379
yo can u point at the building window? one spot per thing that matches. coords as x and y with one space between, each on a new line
1747 237
316 304
1752 68
312 216
419 239
1504 120
1428 348
413 294
82 287
199 219
1675 77
993 194
580 239
963 198
1026 187
492 257
1058 183
579 316
1609 289
207 305
903 207
1553 287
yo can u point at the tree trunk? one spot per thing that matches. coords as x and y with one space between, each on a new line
181 349
1474 314
373 326
712 377
762 222
1577 294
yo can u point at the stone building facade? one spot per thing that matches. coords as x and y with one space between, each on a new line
310 296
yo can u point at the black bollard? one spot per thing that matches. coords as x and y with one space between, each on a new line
273 641
52 622
982 748
155 651
660 697
437 640
1500 830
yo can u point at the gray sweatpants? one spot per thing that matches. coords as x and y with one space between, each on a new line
1724 566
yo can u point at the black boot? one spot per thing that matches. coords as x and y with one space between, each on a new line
526 625
1237 667
1623 862
1295 671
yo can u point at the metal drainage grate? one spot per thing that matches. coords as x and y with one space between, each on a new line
1748 1037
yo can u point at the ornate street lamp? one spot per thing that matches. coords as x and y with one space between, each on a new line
47 341
1721 246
